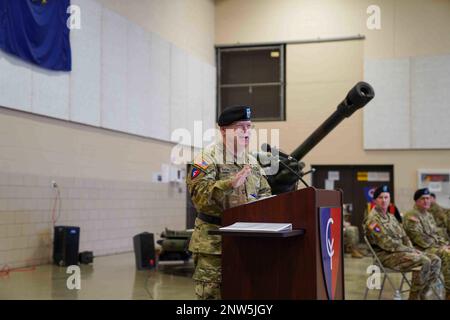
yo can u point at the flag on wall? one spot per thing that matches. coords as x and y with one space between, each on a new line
36 31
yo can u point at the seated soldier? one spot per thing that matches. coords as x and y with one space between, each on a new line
421 228
392 209
351 236
395 250
441 216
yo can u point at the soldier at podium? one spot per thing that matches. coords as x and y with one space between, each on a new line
222 176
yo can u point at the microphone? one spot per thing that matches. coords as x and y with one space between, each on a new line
273 150
295 173
267 148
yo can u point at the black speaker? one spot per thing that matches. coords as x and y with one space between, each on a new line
144 251
86 257
65 245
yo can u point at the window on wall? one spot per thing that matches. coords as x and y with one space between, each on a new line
253 76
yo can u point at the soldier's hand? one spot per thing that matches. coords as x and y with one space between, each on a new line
240 177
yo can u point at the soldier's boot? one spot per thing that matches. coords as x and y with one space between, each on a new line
416 287
356 254
348 248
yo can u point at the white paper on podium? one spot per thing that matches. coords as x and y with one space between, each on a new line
258 227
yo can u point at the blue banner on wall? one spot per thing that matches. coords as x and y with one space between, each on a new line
36 31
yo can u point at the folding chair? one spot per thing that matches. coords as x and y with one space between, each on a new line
386 271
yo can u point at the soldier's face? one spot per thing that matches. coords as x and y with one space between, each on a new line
424 202
383 200
241 132
432 200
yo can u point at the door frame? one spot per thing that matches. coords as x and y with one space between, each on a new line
334 167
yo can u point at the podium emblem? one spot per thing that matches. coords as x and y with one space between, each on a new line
330 228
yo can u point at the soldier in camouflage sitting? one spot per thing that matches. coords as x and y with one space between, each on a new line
224 175
394 248
421 229
351 235
441 216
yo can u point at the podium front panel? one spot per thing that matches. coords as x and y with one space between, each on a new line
284 268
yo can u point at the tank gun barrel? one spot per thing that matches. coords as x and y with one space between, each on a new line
356 98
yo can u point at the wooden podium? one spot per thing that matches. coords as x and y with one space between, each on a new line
286 265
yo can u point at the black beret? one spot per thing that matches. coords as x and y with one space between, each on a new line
233 114
379 190
421 192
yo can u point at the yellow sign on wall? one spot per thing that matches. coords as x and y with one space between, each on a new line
373 176
362 176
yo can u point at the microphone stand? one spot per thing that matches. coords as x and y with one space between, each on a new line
295 173
267 148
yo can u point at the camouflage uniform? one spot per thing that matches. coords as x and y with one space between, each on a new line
395 251
442 218
351 235
209 184
421 229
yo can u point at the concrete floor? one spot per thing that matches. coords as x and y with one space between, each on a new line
115 277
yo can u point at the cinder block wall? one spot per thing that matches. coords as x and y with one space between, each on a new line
104 177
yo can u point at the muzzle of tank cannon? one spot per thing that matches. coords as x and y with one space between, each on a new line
357 97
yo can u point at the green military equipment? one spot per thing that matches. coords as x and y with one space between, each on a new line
174 245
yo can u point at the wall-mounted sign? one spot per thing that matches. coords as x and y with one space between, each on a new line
438 181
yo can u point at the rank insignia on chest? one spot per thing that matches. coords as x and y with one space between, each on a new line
195 172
